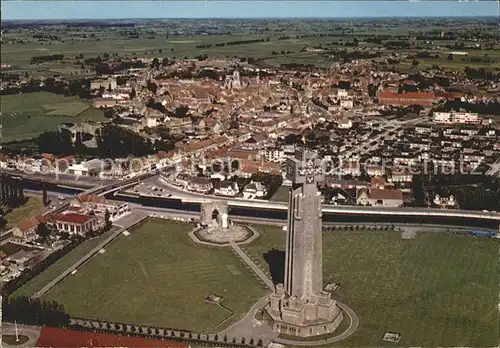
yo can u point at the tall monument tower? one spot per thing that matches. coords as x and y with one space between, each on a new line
300 307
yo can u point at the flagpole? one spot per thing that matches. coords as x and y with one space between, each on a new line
17 334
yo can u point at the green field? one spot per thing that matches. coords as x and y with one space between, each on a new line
158 276
27 115
60 266
32 207
284 43
436 290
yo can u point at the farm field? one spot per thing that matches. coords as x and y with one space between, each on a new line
27 115
436 290
284 42
158 276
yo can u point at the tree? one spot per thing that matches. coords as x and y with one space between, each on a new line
216 337
107 220
42 230
234 340
30 311
153 87
243 340
260 344
198 336
44 194
132 93
225 338
251 341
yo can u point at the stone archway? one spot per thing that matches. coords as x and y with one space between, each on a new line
215 213
216 217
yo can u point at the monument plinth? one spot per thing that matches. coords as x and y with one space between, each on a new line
300 307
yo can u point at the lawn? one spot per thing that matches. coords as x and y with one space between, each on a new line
27 115
436 290
158 276
60 266
32 207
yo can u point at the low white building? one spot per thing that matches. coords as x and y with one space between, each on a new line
254 189
227 188
344 123
88 168
456 118
272 154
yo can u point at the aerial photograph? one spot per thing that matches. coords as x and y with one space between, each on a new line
250 174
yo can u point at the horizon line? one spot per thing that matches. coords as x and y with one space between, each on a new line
240 18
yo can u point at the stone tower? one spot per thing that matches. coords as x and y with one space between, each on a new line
300 307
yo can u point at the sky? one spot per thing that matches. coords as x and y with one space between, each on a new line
98 9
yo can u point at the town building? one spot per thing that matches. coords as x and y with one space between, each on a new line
98 205
254 189
376 196
73 223
404 99
456 118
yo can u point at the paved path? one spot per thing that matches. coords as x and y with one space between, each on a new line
33 333
130 220
252 265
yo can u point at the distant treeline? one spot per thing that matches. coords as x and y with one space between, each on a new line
49 58
298 66
481 73
47 37
76 87
233 43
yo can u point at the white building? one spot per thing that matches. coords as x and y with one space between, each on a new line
272 154
254 189
344 123
347 103
456 117
227 188
89 168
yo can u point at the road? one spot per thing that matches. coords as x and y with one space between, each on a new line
495 168
177 192
52 177
123 223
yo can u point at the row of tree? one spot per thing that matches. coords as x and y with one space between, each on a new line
168 333
30 311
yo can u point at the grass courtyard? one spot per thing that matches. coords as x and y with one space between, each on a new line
27 115
158 276
32 207
436 290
